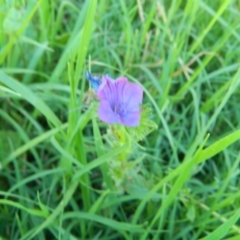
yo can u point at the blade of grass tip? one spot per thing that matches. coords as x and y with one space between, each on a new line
30 97
19 32
42 206
4 89
222 230
51 218
179 182
34 212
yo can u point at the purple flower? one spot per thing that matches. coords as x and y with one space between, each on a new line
119 101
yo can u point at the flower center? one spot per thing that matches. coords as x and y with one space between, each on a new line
120 109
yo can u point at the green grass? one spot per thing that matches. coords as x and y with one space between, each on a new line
182 180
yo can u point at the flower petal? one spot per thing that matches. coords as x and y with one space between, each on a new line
119 101
106 113
120 85
131 119
133 94
107 90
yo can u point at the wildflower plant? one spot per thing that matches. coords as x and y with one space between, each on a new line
120 107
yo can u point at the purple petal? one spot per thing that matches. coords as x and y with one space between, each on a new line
133 94
106 114
107 90
120 85
119 101
131 119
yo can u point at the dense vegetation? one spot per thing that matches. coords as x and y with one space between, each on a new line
56 179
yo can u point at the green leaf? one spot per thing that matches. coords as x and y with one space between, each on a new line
146 125
34 212
7 90
43 207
